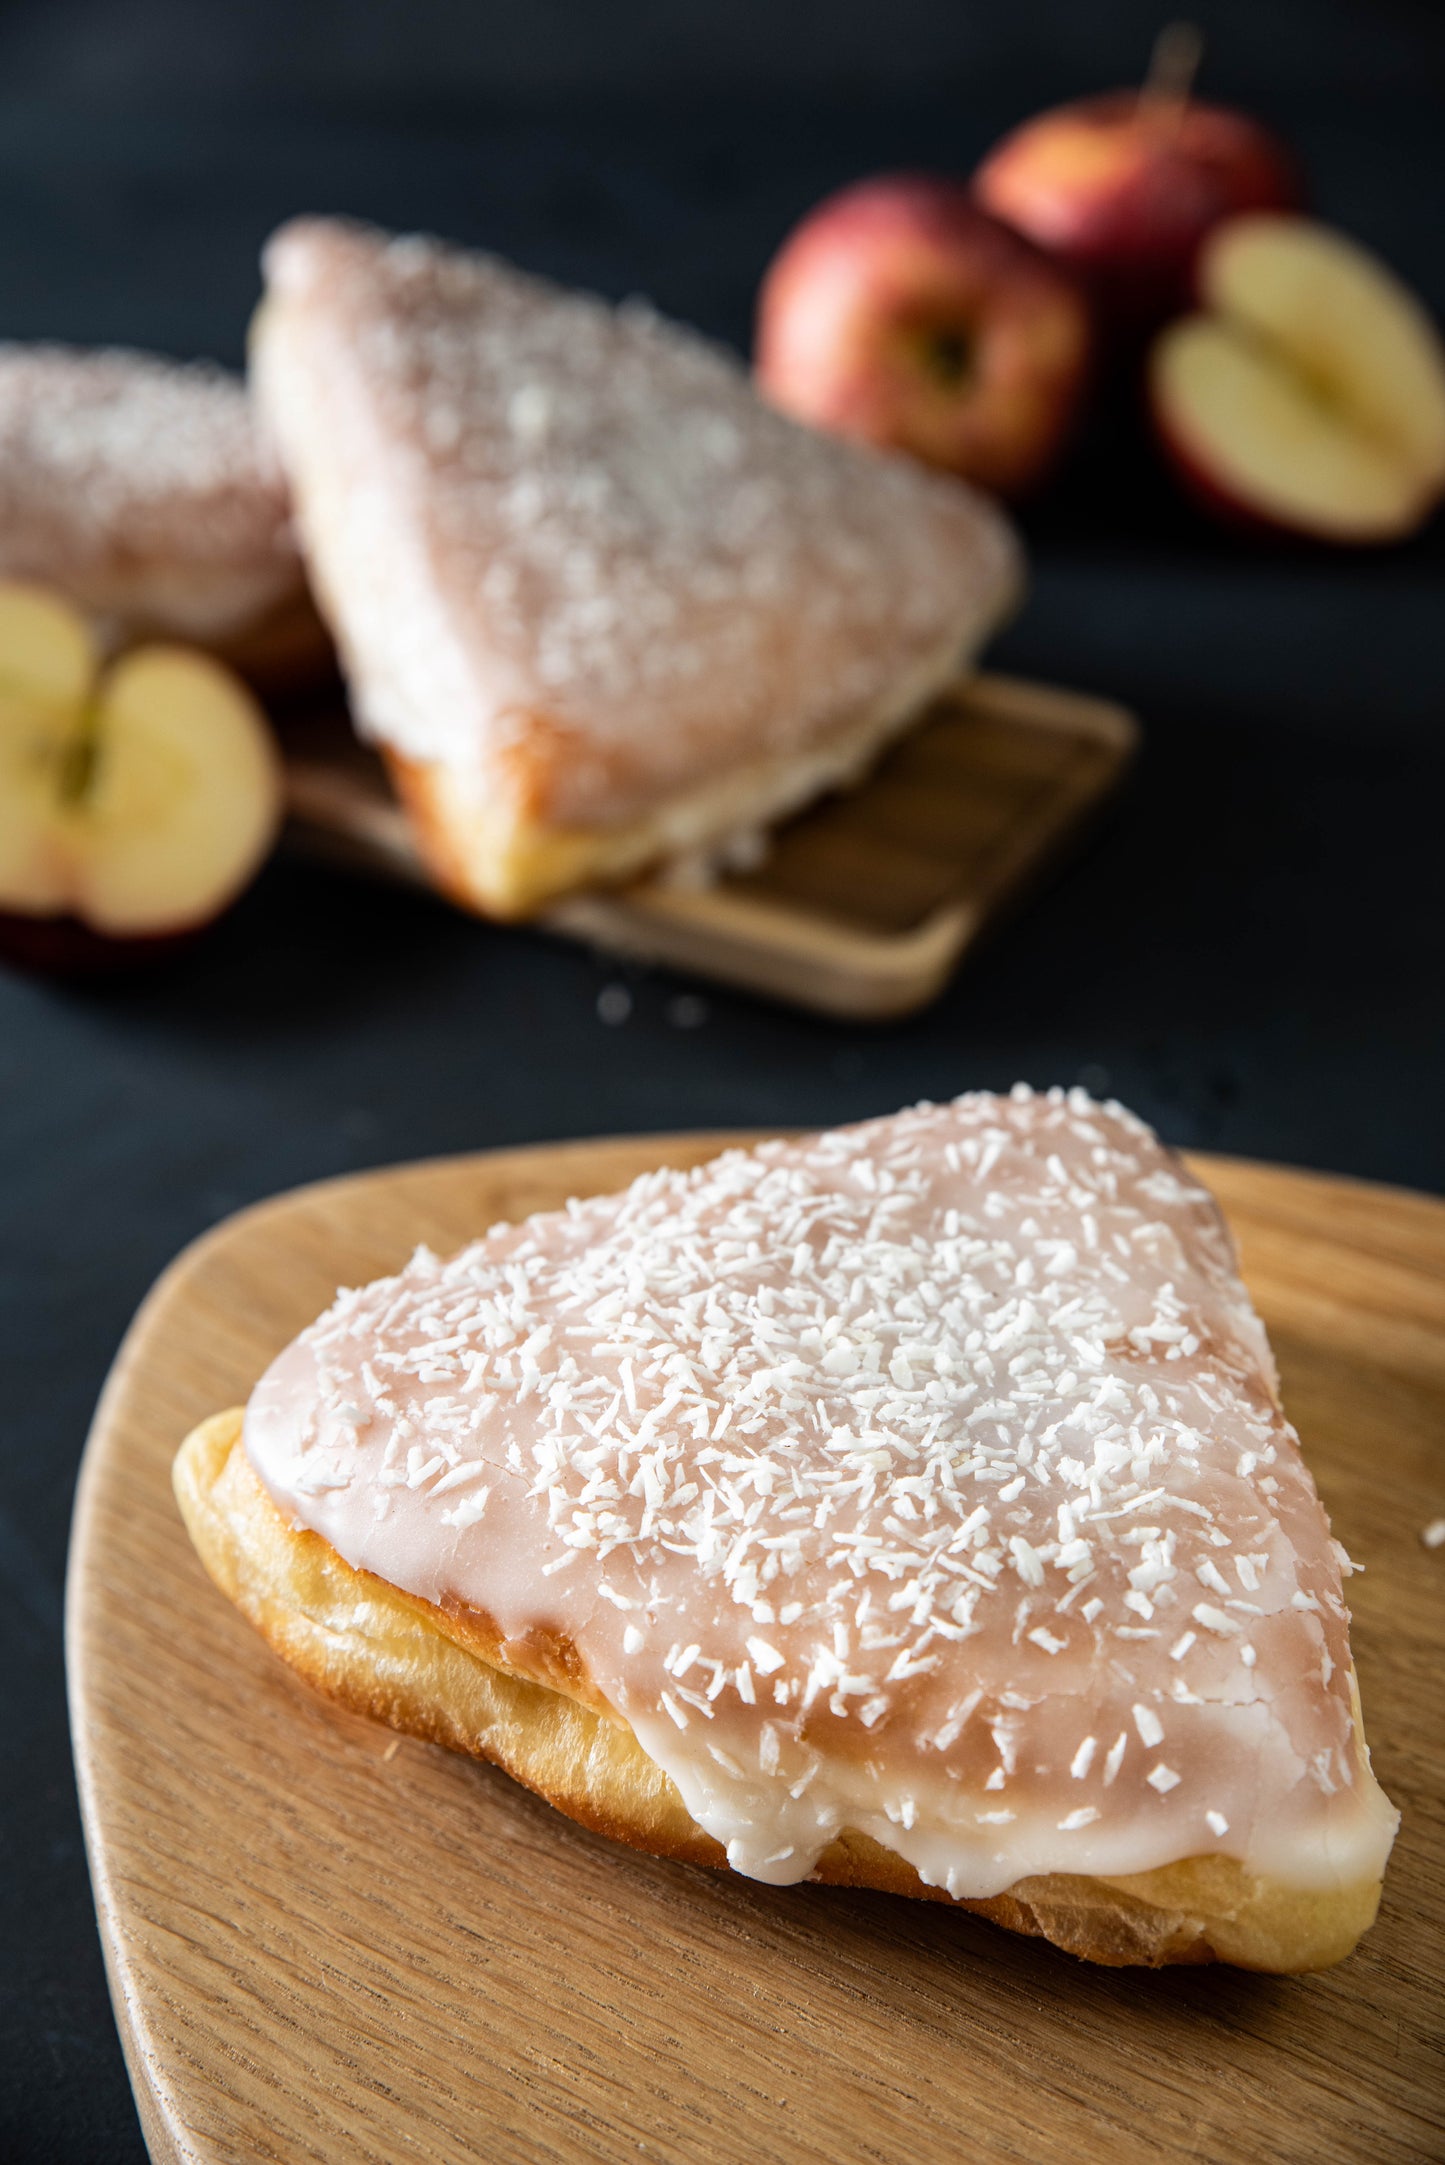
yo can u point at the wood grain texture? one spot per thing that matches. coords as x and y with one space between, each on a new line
866 901
327 1943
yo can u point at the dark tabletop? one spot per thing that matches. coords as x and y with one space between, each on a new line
1250 951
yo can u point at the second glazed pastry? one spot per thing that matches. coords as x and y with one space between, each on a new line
138 488
598 605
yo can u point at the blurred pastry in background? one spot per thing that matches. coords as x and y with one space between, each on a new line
600 607
138 488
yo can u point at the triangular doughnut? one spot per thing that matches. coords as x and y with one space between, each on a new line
597 603
137 488
910 1506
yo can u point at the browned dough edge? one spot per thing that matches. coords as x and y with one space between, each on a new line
447 1676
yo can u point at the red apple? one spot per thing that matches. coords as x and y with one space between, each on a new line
64 947
899 313
1309 394
134 805
1123 188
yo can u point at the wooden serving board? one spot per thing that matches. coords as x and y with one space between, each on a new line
864 904
328 1944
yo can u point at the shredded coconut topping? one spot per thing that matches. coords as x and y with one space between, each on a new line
814 1453
138 487
566 542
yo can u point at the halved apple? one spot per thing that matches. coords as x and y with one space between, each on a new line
1310 393
135 804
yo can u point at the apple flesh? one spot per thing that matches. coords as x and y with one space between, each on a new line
1309 393
900 314
134 805
1123 189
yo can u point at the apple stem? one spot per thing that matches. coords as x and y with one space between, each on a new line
1173 65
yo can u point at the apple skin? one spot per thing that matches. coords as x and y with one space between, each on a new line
1269 533
1305 399
901 314
1123 189
65 947
140 800
1227 507
1218 504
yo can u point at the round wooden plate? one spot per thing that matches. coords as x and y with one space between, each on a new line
327 1943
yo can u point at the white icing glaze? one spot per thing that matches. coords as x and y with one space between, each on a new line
566 549
139 488
926 1478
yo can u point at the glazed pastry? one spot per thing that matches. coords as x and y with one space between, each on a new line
598 605
910 1507
137 488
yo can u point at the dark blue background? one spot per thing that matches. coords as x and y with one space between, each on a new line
1250 952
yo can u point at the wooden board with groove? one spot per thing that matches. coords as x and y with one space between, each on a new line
864 904
326 1943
